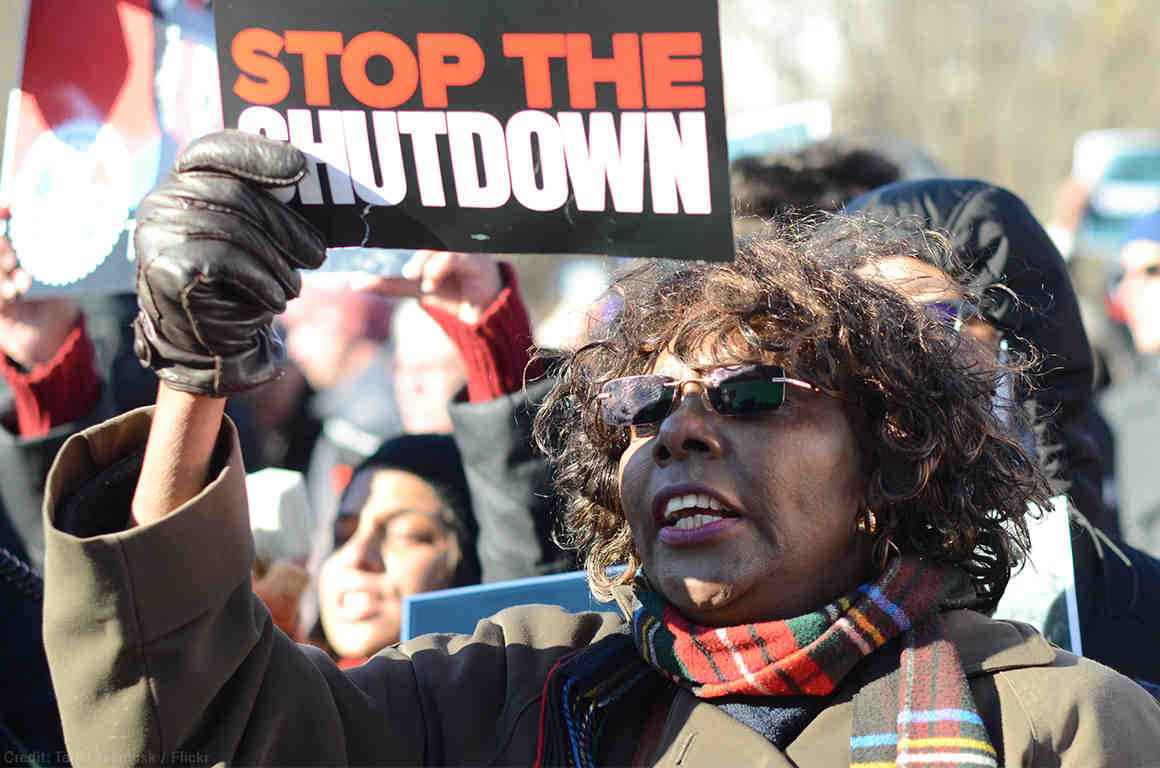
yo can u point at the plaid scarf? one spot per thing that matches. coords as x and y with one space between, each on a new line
920 712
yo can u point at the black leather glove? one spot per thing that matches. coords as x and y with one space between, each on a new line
217 259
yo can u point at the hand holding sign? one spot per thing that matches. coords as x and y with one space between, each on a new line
461 284
31 330
217 261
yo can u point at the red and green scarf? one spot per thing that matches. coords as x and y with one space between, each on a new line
919 713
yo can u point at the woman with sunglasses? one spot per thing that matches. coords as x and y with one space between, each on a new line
798 467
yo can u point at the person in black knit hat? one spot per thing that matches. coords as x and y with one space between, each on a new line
404 526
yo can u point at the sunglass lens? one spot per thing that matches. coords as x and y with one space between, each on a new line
748 393
944 312
636 400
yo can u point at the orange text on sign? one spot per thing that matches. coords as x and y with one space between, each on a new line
650 70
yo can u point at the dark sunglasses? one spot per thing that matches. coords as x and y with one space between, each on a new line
952 314
736 390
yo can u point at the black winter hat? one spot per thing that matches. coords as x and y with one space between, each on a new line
436 459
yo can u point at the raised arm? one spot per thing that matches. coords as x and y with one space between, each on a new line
158 648
217 262
177 456
477 302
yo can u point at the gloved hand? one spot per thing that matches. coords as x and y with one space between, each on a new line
216 262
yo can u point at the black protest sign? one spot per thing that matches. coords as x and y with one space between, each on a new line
525 126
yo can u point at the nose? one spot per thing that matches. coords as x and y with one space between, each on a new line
690 429
363 552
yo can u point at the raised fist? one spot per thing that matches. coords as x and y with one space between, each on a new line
217 260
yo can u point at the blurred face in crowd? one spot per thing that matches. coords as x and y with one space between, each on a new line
428 372
1139 293
780 492
314 344
332 335
398 546
928 285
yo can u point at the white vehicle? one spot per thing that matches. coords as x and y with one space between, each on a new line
1121 170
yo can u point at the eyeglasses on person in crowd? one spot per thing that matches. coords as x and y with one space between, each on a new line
953 314
735 390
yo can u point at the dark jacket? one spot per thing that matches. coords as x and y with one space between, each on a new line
29 723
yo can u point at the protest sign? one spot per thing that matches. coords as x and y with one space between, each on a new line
95 123
524 126
1042 594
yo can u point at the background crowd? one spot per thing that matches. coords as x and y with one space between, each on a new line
409 420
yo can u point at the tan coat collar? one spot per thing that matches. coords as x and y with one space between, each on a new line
695 732
986 646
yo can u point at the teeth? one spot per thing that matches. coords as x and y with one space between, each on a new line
699 501
693 522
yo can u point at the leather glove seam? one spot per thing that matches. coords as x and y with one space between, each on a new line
187 307
217 244
266 181
290 290
193 203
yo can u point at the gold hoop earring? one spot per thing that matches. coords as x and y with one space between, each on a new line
867 522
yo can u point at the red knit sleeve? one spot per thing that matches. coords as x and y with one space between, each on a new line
496 350
57 391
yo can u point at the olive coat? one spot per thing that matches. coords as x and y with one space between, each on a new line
159 650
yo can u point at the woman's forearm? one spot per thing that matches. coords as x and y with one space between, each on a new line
63 388
495 350
178 452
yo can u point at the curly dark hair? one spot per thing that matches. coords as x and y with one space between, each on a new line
822 176
946 477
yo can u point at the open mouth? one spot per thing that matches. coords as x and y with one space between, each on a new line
691 511
692 514
358 606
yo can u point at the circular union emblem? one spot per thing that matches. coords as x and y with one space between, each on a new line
70 201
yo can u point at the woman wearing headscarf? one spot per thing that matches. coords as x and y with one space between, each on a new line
798 467
1010 261
1001 254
